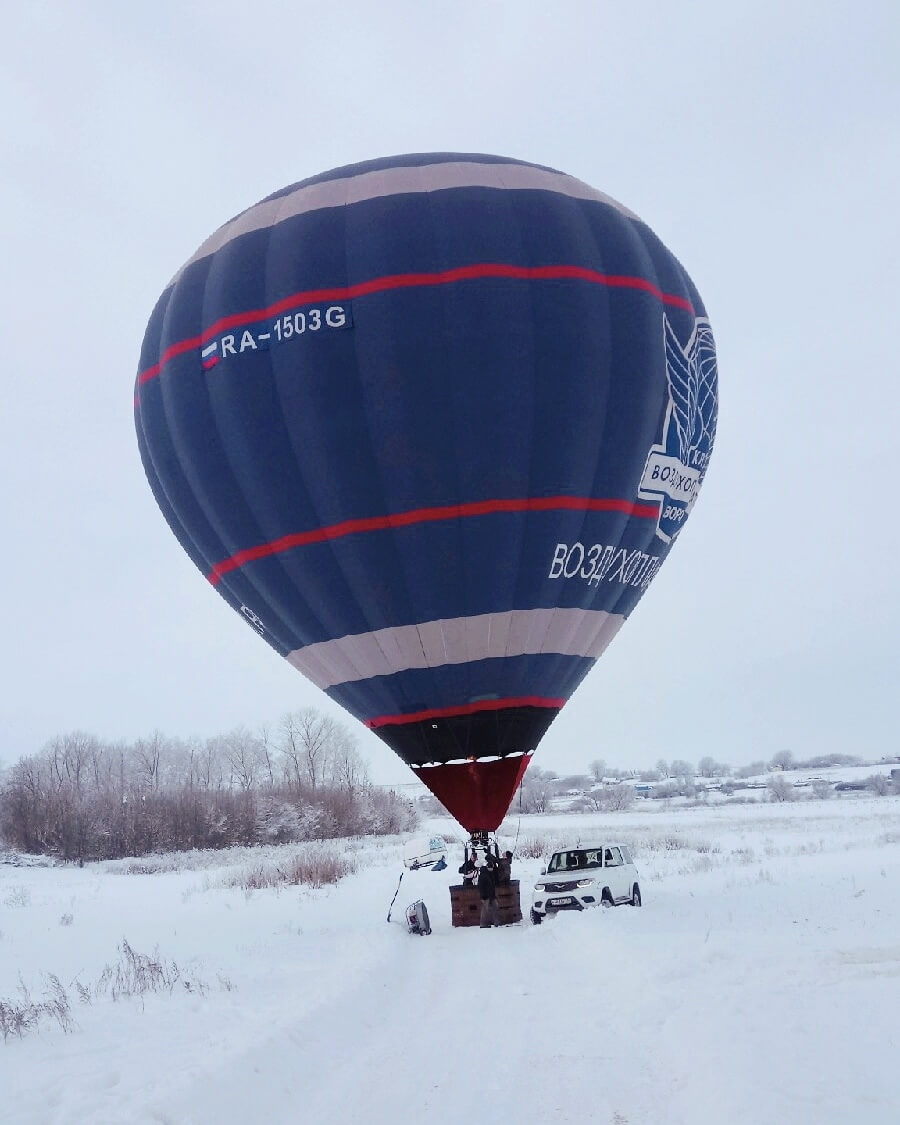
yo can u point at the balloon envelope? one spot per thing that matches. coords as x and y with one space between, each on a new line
431 425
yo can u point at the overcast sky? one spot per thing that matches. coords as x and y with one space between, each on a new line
759 140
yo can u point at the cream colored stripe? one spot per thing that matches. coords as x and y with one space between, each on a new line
397 181
520 632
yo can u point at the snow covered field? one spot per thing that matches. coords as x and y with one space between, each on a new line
759 983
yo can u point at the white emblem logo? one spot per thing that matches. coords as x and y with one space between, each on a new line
676 467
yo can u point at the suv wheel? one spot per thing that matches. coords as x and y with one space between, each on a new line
606 899
535 917
636 896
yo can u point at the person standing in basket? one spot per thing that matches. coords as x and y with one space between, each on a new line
469 872
504 869
487 890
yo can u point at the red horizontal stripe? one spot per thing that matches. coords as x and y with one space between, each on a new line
465 709
411 281
427 515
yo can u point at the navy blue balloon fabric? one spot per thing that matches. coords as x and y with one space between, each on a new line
431 424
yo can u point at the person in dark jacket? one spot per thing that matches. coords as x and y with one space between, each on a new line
487 890
504 869
469 872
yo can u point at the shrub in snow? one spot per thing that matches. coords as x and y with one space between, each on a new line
312 867
617 798
318 867
277 820
135 974
823 761
780 789
584 805
532 847
25 1014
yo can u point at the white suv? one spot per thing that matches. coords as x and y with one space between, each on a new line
587 875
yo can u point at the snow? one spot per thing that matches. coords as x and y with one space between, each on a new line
759 982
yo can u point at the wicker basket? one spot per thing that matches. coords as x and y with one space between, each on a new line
465 904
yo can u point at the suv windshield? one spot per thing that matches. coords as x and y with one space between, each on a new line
577 860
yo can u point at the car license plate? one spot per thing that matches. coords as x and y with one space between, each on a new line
567 901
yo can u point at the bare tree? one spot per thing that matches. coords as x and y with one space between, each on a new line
148 752
536 791
308 740
349 769
243 753
783 760
78 751
267 753
597 769
209 764
291 747
102 767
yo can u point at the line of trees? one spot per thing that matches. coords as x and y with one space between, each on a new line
302 779
708 767
605 789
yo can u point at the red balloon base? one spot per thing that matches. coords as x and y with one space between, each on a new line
477 793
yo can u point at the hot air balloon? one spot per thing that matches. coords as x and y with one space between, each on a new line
431 424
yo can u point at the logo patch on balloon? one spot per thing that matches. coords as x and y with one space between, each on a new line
675 468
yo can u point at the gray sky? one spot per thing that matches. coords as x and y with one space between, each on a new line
759 140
